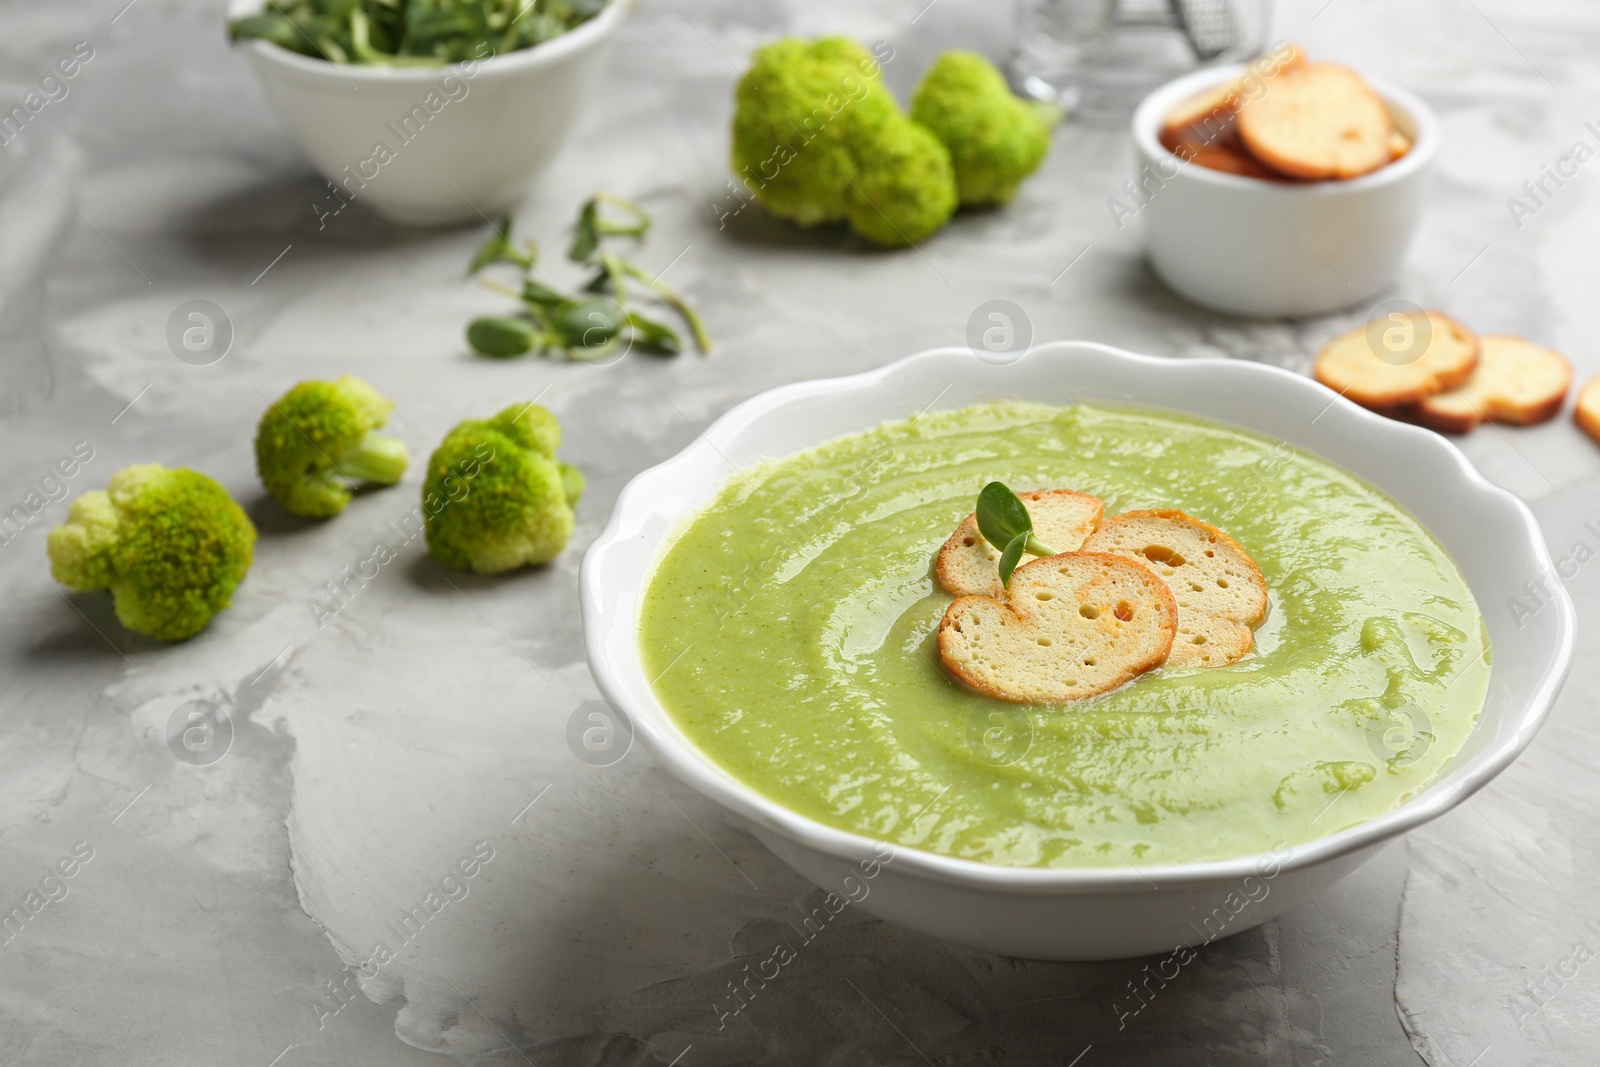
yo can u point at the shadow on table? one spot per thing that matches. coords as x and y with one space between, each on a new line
271 520
807 985
61 638
751 225
234 230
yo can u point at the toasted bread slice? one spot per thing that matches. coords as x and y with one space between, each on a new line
1209 641
1319 122
1289 59
1516 382
1399 144
970 566
1225 154
1220 592
1213 108
1587 411
1427 357
1070 626
1211 111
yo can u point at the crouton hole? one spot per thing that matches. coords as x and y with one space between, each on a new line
1163 554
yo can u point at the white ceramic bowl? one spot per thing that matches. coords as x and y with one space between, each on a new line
462 141
1271 249
1090 913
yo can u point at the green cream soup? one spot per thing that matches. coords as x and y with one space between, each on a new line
790 629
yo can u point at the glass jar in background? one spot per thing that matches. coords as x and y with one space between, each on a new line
1099 58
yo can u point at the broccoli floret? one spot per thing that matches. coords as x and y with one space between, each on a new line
496 498
318 438
571 482
817 138
171 545
903 192
995 139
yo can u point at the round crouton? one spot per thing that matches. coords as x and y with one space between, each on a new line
970 566
1220 592
1070 626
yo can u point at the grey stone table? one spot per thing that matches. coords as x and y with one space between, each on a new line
221 913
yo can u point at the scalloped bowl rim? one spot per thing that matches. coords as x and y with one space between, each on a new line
684 759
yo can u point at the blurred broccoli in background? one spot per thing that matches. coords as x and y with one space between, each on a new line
995 139
319 437
171 545
818 140
904 189
496 498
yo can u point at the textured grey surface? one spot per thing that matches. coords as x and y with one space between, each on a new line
223 906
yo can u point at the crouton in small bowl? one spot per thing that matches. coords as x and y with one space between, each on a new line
1228 233
763 608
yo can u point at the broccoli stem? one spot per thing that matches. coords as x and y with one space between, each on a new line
377 459
1048 112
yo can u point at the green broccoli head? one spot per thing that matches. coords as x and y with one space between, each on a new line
814 134
995 139
904 190
496 498
171 545
318 438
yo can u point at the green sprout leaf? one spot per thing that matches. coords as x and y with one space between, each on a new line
594 225
500 337
590 328
584 327
1001 516
586 236
1004 521
655 337
1011 557
690 318
542 296
271 26
411 33
499 249
615 268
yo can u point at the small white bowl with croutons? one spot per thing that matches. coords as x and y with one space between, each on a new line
432 146
1266 248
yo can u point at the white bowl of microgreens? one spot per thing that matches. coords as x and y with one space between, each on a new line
430 113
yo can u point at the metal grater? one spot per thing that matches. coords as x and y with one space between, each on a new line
1210 25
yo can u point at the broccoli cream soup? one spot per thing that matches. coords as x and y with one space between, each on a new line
791 631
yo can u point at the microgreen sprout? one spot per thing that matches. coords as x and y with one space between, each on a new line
593 225
1004 521
595 322
412 33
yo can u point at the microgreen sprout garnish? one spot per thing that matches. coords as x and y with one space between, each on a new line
499 249
593 225
1004 521
595 322
413 33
